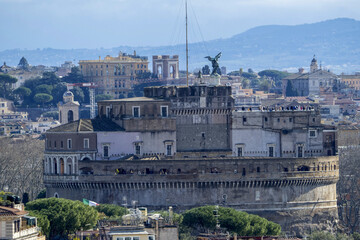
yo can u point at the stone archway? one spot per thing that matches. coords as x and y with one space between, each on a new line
159 71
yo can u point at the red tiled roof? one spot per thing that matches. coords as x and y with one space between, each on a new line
6 211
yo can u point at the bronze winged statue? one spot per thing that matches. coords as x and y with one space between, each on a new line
214 64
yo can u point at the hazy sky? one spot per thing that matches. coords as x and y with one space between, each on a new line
70 24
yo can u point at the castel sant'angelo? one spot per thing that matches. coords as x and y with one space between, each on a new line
189 146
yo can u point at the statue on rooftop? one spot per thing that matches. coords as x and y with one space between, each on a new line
214 64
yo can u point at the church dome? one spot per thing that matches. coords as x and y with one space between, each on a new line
68 94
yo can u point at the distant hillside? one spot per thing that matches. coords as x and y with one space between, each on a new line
335 43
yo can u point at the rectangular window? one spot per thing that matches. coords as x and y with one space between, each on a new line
151 238
300 151
49 143
312 133
61 144
168 150
240 152
136 238
86 143
106 151
128 238
54 144
69 143
137 149
120 238
136 111
271 151
164 111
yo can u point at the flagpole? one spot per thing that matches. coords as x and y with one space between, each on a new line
187 48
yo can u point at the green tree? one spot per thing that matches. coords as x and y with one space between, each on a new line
42 194
356 236
43 98
42 222
276 75
74 76
245 83
203 219
58 92
78 94
64 216
6 82
322 236
101 97
254 83
290 91
250 76
25 198
111 210
44 88
265 85
23 92
23 64
52 114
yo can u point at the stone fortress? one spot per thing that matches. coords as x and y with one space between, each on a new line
188 146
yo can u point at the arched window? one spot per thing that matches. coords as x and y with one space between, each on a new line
70 116
62 165
69 166
55 166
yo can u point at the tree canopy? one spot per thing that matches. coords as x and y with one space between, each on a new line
290 91
276 75
101 97
43 98
23 64
6 82
62 216
74 76
111 210
244 224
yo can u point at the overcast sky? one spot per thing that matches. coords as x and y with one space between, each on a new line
68 24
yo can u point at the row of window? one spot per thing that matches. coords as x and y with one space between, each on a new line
137 150
86 143
136 111
107 66
133 238
164 171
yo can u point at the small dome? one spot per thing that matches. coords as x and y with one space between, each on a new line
68 94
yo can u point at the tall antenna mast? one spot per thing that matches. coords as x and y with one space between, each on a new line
187 48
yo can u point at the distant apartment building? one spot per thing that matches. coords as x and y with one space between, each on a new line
114 76
352 81
7 111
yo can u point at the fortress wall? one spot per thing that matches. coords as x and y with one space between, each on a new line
298 200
